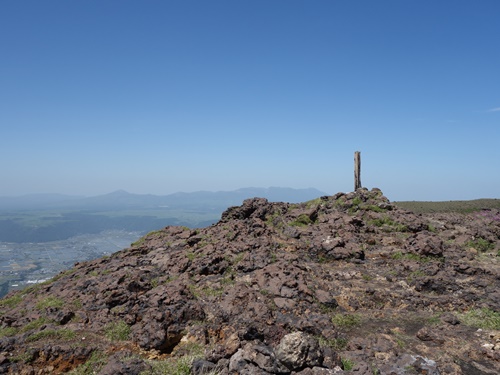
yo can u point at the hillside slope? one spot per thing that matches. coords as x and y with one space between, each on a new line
348 283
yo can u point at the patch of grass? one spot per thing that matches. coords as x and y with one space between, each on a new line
340 201
389 223
484 318
11 301
301 221
34 324
450 206
60 275
35 288
191 256
228 277
356 205
170 279
212 292
415 275
119 309
480 244
238 258
411 256
399 337
431 228
202 244
345 320
374 208
400 228
339 343
8 331
347 364
434 320
198 292
25 357
50 301
117 331
177 365
181 366
271 219
155 282
357 201
326 309
194 291
139 242
313 203
142 240
62 334
381 221
93 365
375 370
230 235
401 343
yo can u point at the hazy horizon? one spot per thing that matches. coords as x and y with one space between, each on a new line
69 195
165 97
161 194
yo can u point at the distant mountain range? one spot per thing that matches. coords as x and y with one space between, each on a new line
122 200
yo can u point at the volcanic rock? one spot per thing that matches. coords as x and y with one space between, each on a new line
343 284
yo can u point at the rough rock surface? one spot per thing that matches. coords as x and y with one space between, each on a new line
345 284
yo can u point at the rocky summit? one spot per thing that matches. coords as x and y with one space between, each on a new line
343 284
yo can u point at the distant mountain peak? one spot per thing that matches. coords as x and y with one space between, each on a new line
119 192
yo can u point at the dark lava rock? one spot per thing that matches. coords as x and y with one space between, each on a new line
426 244
124 364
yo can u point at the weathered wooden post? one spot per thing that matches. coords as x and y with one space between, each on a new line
357 170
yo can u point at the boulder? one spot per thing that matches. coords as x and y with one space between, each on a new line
298 350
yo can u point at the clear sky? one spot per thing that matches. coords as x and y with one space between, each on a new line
166 96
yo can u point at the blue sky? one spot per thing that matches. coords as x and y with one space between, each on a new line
166 96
